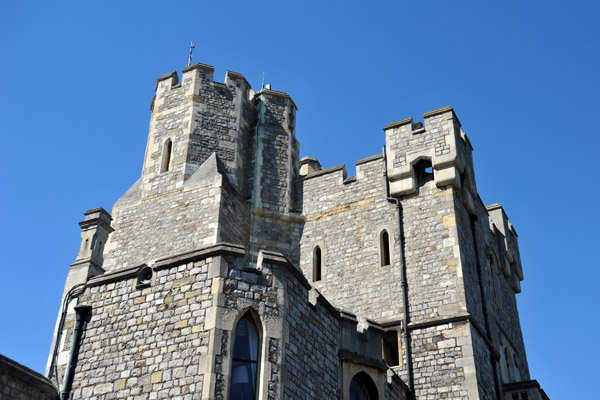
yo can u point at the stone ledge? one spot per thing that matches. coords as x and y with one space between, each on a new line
113 276
331 170
396 124
347 355
194 255
198 66
277 94
369 159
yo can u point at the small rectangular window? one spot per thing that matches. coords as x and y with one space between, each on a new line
391 350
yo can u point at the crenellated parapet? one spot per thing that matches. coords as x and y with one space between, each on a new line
440 144
193 118
508 246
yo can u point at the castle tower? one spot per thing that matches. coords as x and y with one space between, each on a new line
462 309
230 267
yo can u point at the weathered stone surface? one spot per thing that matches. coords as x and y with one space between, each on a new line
229 229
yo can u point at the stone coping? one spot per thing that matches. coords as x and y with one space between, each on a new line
441 111
194 255
237 75
369 159
276 93
396 124
167 76
198 66
27 375
341 167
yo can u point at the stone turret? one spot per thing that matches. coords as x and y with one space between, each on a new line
95 229
193 119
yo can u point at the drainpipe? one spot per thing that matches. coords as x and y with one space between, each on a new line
72 294
82 314
472 220
403 282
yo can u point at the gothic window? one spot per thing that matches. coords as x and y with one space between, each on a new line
362 388
244 365
384 247
167 150
317 264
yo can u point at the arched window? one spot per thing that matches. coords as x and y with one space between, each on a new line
244 364
384 247
317 264
167 150
362 388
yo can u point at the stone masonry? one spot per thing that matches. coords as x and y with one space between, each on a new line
227 223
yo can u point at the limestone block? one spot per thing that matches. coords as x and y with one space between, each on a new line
403 186
447 175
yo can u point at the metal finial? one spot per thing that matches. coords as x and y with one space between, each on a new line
191 50
263 80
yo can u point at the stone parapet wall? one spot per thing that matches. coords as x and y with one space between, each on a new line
18 382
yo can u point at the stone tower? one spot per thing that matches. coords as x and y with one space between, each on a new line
396 283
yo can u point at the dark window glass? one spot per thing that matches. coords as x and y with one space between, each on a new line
317 264
362 388
245 361
167 155
385 248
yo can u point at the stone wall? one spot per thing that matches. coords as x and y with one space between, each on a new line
311 361
166 224
145 340
18 382
344 218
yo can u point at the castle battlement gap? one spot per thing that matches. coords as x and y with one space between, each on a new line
232 269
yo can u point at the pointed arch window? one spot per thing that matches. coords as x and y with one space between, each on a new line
317 261
362 387
167 150
244 364
384 247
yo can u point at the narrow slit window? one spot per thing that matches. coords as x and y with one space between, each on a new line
384 248
93 245
244 366
168 149
317 261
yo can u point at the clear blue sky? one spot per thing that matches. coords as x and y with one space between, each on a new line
77 79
